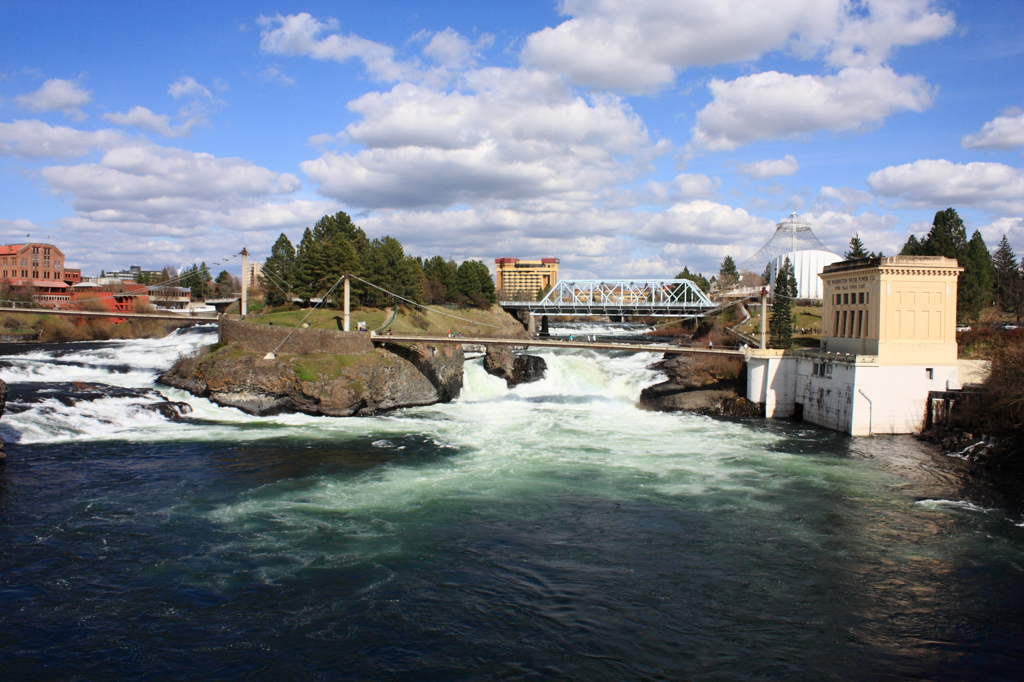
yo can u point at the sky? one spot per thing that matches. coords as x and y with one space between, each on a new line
629 138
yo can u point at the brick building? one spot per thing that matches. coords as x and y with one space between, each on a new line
37 269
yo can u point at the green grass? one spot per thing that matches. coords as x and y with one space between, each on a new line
322 365
415 321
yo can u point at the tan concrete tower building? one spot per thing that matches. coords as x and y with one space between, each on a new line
521 279
888 338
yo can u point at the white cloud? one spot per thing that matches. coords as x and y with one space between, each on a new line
515 135
639 45
994 187
57 94
706 222
454 51
780 105
298 34
187 86
1003 132
877 232
871 30
272 74
846 197
770 168
35 139
1013 228
141 117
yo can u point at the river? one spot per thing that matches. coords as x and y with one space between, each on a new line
553 531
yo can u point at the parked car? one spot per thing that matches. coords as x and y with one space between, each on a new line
1007 326
963 328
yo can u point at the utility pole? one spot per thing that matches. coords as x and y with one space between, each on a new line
245 281
764 315
345 325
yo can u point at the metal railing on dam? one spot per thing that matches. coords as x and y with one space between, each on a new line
546 343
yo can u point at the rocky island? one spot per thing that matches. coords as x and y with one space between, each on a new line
265 370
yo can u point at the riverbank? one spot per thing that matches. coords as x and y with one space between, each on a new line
38 327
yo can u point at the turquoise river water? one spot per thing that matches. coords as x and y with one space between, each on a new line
554 531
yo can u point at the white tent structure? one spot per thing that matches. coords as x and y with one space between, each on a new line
794 239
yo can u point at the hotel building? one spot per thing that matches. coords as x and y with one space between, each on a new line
518 280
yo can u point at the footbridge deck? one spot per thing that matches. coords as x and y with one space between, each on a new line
551 343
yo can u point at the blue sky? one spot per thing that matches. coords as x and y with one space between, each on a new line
626 137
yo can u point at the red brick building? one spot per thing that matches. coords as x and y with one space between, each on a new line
37 269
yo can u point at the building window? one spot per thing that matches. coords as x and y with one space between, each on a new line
930 372
860 297
839 299
842 330
835 327
24 262
860 322
35 274
828 369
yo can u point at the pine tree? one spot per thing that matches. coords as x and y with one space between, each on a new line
474 284
948 236
279 272
1008 274
856 249
439 276
307 257
780 324
388 267
700 280
912 247
975 289
728 275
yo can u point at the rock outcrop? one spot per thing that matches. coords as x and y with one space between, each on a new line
514 369
322 383
706 385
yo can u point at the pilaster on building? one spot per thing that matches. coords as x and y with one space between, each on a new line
888 338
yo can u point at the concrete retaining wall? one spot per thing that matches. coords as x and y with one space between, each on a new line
261 338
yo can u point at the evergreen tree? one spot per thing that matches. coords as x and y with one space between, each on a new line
1008 275
912 247
474 284
439 280
728 275
700 280
224 285
780 324
279 271
977 282
387 266
856 249
766 276
948 236
304 275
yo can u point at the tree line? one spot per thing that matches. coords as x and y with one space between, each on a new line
335 245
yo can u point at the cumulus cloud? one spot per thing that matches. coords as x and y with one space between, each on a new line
57 94
454 51
879 233
141 117
1013 228
187 86
639 45
706 222
35 139
846 197
1003 132
514 135
780 105
771 168
299 34
994 187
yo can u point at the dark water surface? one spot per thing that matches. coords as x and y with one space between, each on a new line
508 536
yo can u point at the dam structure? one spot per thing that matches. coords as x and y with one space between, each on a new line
888 339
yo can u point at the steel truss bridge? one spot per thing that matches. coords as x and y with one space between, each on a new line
621 297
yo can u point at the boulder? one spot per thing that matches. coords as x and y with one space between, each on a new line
514 369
